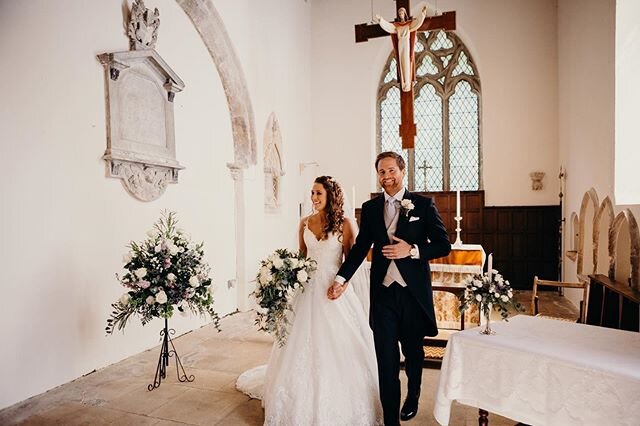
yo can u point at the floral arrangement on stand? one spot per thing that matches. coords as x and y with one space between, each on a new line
489 291
279 276
165 272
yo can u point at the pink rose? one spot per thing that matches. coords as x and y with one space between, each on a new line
144 284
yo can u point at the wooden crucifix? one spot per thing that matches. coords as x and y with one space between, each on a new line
403 35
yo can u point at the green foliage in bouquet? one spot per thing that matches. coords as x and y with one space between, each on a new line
279 275
491 291
165 272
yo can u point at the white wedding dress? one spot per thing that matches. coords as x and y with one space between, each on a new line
326 374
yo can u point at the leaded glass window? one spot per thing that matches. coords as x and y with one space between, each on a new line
447 153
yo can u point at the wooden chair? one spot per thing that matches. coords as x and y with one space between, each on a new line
560 284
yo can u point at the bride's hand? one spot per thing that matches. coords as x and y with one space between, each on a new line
336 290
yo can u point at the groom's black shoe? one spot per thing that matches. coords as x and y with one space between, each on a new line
409 409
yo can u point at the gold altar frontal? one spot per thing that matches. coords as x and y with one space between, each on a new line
447 280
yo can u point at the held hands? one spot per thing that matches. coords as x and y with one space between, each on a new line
399 250
336 290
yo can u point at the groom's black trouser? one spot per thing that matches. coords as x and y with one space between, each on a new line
397 317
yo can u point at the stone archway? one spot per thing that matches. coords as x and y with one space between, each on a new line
588 210
603 246
625 235
213 33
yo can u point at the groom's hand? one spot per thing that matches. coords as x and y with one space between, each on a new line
336 290
398 250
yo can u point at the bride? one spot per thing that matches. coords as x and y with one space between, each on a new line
326 373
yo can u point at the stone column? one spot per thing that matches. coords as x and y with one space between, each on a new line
242 292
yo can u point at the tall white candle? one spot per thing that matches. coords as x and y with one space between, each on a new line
458 203
490 265
353 199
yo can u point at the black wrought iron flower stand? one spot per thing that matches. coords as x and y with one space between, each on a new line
163 361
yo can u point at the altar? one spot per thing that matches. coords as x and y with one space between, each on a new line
447 280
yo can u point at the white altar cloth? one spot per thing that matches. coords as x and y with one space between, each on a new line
544 372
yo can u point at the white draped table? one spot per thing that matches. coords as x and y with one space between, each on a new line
544 372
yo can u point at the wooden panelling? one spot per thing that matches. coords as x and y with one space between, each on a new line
613 304
523 239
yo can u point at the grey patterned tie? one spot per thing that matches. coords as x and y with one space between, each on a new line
390 212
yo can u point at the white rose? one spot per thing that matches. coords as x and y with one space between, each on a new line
293 262
153 233
477 283
191 246
141 272
171 277
265 276
173 249
158 248
126 258
194 282
161 297
478 298
278 262
302 276
504 298
150 300
124 299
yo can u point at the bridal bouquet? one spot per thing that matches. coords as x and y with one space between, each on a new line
164 272
489 290
279 275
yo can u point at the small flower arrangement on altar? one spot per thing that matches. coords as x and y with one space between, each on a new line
165 272
489 291
280 274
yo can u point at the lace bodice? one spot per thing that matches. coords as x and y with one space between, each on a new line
328 253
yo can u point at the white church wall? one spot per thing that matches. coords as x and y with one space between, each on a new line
627 93
514 45
586 67
67 225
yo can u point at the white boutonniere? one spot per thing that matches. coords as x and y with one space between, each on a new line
406 206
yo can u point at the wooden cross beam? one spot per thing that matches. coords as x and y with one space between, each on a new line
446 21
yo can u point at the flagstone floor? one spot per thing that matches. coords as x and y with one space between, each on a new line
118 393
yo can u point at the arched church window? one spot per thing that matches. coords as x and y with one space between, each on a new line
447 153
273 170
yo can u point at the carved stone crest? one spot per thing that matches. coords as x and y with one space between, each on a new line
143 26
536 180
139 102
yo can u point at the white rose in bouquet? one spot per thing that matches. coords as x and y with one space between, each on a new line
150 300
478 298
278 262
154 233
171 277
194 282
265 276
161 297
141 272
124 299
173 249
302 276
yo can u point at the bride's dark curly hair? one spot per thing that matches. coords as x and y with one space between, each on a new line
334 209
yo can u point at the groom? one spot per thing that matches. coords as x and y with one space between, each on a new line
406 231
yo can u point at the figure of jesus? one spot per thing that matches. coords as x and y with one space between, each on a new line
404 33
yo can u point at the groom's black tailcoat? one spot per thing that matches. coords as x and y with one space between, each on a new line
421 226
397 314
